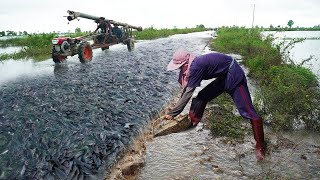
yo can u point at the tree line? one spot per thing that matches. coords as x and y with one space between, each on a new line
13 33
288 27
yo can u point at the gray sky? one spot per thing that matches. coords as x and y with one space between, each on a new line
47 15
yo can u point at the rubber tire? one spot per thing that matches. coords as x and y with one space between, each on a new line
85 53
130 44
58 59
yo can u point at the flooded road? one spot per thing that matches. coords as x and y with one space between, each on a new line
73 119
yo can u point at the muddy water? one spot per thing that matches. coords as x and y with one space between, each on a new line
75 119
195 154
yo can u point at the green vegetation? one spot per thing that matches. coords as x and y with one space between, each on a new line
289 93
152 33
290 28
36 46
223 122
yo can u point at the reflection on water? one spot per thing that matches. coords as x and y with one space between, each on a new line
11 69
9 50
60 69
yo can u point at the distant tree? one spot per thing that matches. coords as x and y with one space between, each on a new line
77 30
290 23
2 33
271 26
25 33
201 26
11 33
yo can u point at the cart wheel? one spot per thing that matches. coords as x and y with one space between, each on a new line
85 53
58 58
130 44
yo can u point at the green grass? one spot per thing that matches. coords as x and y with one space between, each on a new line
223 122
288 92
152 33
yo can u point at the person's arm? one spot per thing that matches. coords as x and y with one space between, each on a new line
182 102
100 26
96 29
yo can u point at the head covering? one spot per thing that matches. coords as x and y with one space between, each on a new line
180 58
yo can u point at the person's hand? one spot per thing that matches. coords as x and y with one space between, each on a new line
168 117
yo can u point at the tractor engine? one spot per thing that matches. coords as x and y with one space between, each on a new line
62 45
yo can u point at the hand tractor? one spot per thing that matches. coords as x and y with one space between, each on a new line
66 46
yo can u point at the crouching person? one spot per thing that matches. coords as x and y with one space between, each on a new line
229 77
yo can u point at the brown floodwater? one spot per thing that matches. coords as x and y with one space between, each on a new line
195 154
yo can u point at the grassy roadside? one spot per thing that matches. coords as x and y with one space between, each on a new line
288 93
38 46
152 33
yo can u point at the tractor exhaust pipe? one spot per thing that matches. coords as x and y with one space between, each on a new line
74 15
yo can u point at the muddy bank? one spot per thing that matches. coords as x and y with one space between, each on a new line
195 154
76 121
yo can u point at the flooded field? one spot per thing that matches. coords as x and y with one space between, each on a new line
305 49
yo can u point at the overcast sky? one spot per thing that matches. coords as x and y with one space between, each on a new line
47 15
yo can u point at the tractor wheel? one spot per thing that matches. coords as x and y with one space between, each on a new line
85 53
58 58
130 44
104 48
